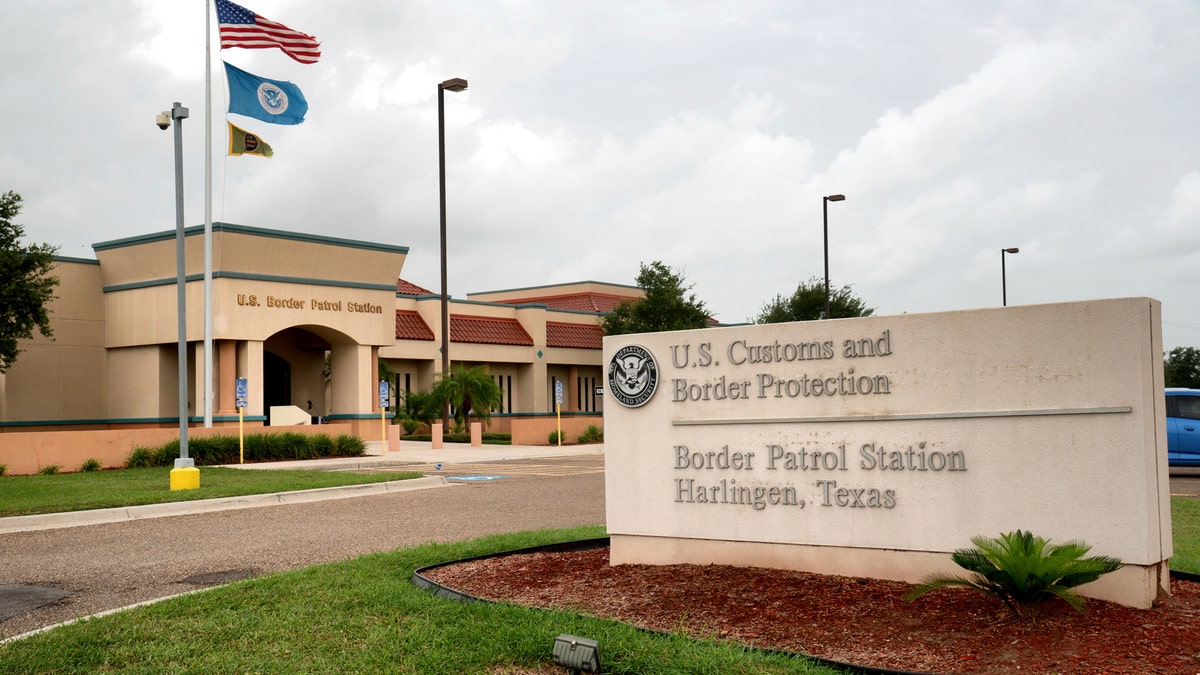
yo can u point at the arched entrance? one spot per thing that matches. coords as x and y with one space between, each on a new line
297 368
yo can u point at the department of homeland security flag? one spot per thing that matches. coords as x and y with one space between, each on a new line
273 101
242 142
242 28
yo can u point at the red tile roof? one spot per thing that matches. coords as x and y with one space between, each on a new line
573 335
488 330
602 303
408 288
410 326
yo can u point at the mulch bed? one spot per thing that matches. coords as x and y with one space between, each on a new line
851 620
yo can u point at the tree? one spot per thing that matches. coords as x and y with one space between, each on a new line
468 389
1181 368
808 304
664 306
26 286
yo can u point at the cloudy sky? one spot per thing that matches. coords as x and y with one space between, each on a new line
599 135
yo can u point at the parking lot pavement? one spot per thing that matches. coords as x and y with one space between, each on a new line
1185 484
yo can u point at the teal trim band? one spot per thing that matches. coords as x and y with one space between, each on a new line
251 277
355 416
491 303
67 258
253 231
568 283
577 413
126 420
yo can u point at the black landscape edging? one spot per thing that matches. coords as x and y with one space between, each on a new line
440 591
1185 576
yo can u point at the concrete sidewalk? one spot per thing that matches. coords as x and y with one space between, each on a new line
422 452
409 453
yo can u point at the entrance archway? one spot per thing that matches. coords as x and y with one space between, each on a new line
297 368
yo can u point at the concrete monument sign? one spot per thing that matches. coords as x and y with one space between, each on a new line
876 446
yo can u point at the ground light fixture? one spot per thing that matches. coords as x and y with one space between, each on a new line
825 212
577 654
1004 277
453 84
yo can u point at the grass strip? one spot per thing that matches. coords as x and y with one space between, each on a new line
365 615
1185 533
27 495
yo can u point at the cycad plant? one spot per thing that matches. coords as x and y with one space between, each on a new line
1022 570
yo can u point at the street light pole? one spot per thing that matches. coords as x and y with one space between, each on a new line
825 212
1004 276
185 475
453 84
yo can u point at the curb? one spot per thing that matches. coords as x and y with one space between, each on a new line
49 521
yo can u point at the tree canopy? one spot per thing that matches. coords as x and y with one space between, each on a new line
667 305
26 285
808 304
1181 368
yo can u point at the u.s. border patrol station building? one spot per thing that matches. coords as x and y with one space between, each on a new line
306 320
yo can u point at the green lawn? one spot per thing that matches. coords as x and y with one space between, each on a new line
366 616
363 615
1185 530
24 495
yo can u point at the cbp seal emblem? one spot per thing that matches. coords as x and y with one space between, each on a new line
272 99
632 376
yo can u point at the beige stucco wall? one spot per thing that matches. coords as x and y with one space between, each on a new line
246 309
27 453
64 376
1053 413
249 251
114 356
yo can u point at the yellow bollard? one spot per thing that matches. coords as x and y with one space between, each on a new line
185 479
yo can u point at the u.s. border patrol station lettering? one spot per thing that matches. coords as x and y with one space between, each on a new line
878 446
318 304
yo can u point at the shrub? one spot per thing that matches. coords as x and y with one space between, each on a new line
3 469
48 470
555 437
210 450
139 458
592 434
1022 570
90 464
350 446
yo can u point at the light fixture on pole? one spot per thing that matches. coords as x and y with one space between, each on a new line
825 211
1003 276
453 84
185 475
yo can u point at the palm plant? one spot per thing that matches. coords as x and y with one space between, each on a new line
468 389
1022 570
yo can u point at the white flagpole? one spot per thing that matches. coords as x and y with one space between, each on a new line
208 318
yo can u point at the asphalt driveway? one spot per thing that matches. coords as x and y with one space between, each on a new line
102 567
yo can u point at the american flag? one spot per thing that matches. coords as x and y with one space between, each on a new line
242 28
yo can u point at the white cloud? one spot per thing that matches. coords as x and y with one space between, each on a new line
597 136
